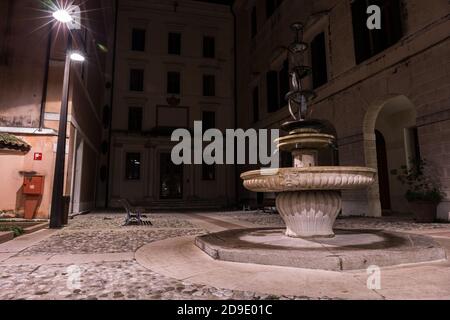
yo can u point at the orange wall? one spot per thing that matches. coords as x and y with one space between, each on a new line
11 167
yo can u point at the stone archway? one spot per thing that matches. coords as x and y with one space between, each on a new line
393 117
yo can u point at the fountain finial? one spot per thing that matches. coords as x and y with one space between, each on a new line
298 96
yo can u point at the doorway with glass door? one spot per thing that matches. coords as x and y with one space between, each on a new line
171 178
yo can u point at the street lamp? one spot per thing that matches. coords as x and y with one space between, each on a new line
56 212
62 15
77 56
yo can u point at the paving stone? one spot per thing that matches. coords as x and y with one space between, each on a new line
116 221
104 233
102 241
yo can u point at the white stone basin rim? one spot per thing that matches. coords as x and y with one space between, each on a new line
311 178
305 141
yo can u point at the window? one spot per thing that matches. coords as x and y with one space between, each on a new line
272 91
209 85
412 146
135 119
133 166
137 80
173 82
270 7
138 40
255 101
6 7
83 65
254 21
283 77
319 61
209 120
174 43
209 47
208 172
277 87
371 42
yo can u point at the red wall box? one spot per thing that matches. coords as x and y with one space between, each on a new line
33 185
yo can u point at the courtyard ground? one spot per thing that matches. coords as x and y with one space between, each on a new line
95 257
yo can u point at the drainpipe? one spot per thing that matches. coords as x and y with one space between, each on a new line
113 77
46 72
236 169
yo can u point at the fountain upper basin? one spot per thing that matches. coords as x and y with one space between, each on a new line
304 141
309 178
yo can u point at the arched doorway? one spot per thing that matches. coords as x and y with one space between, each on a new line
389 143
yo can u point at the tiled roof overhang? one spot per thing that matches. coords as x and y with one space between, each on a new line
11 142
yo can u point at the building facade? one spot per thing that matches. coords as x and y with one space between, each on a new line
32 54
174 65
386 92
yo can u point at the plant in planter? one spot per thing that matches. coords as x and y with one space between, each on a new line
423 191
16 229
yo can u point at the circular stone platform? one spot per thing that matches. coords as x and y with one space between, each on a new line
348 250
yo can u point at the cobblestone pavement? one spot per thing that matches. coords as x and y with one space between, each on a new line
105 281
104 241
104 233
115 222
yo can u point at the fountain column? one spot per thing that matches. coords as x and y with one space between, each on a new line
307 213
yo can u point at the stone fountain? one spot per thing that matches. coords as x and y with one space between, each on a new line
309 198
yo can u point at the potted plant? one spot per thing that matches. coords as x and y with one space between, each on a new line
423 192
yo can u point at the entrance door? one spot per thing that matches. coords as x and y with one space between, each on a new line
383 172
171 178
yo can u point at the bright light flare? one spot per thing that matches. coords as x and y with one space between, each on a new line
62 16
77 56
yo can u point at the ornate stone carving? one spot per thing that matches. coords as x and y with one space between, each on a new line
311 178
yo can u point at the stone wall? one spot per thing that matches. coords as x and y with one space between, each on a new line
416 69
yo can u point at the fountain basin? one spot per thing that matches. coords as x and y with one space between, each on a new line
352 249
308 199
310 178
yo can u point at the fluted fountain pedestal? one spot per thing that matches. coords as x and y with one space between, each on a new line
309 213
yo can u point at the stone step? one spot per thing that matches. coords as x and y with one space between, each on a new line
181 205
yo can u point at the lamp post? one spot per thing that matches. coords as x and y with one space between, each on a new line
56 213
